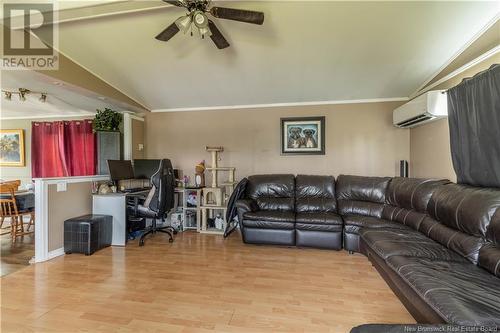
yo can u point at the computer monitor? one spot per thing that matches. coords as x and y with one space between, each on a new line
119 170
144 169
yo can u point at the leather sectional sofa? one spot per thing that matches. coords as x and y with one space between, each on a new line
436 243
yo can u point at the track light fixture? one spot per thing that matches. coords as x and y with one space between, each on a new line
22 92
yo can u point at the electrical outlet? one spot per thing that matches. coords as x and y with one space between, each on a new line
140 147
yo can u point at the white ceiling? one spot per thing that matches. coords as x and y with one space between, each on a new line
305 52
62 100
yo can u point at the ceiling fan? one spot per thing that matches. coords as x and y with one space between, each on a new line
197 17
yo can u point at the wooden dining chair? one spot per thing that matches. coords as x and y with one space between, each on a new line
8 209
14 183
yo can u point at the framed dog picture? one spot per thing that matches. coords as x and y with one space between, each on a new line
303 136
12 147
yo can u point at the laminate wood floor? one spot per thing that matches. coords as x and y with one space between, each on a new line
199 283
15 256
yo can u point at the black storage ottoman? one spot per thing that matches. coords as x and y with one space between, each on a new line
87 234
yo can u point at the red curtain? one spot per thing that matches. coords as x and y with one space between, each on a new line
62 149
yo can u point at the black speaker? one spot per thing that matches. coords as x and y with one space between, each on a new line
403 168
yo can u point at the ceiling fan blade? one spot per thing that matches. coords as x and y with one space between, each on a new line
240 15
176 3
168 33
216 36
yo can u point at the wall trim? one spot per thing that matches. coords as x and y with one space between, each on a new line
56 253
460 70
274 105
458 53
41 225
132 116
127 136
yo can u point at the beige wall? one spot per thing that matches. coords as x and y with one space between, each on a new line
360 139
430 143
137 138
430 151
22 173
75 201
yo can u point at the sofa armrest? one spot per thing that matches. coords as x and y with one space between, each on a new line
246 205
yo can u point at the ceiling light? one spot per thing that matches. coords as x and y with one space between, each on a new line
8 95
183 23
57 83
204 31
22 94
102 98
200 19
43 97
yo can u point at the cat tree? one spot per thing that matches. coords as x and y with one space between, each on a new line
215 197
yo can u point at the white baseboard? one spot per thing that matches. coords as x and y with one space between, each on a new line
56 253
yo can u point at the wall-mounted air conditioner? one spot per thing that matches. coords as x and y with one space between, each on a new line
425 108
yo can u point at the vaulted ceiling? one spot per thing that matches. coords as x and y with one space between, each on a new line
306 51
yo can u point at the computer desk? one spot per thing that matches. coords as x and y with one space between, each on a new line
115 204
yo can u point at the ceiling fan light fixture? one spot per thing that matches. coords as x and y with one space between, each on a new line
200 19
205 31
184 23
8 95
197 16
43 97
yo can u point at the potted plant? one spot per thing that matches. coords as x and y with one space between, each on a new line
106 125
107 120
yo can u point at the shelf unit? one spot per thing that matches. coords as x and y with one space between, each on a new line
208 211
183 194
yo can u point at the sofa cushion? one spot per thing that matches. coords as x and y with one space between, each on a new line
318 227
466 245
315 194
461 293
489 258
370 222
269 220
489 255
465 208
280 204
408 217
318 218
361 195
412 193
272 192
270 215
406 242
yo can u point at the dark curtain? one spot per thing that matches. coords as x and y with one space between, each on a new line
474 119
62 149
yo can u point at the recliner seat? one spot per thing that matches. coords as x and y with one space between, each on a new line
267 213
317 222
361 202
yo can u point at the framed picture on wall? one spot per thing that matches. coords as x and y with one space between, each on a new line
12 147
303 136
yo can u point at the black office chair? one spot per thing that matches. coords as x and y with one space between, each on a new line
159 201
